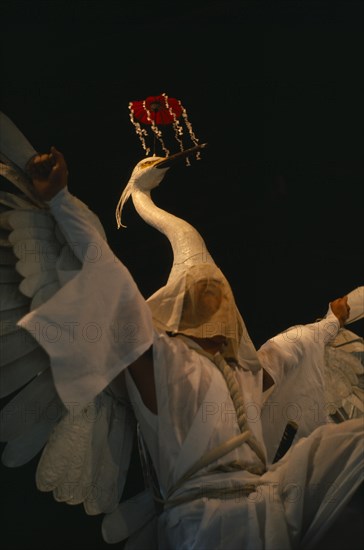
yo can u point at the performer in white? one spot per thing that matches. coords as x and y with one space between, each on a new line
203 398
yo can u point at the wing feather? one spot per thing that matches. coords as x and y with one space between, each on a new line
129 517
16 219
87 457
42 234
110 473
32 284
43 253
15 345
16 374
5 218
10 317
21 182
11 297
24 448
14 201
62 461
36 401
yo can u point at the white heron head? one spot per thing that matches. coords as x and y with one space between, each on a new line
148 174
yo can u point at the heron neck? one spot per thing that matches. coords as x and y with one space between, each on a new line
187 244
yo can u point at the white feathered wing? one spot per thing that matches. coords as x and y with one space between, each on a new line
86 452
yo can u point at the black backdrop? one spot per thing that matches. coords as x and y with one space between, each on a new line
275 90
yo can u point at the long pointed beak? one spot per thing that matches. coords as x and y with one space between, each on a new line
169 161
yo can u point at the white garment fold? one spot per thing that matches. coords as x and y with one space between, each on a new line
98 323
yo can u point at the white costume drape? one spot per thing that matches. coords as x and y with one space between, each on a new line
101 324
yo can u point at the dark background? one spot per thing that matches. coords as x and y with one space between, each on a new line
275 88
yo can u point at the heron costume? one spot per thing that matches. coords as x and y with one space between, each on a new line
208 455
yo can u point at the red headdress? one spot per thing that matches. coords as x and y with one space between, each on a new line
153 112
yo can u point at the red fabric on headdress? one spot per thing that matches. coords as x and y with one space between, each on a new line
159 108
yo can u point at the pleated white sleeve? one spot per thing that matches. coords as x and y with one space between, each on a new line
98 323
286 350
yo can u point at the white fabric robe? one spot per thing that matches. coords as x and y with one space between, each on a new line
295 500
